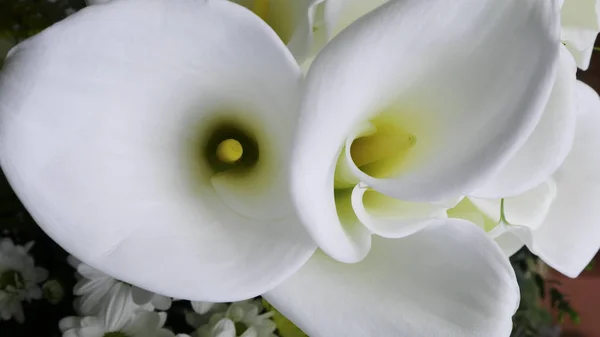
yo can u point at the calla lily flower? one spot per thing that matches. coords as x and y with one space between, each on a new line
558 218
154 139
390 132
580 27
417 120
155 148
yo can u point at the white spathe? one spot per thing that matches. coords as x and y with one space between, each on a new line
558 220
98 137
549 144
447 280
580 20
428 65
19 279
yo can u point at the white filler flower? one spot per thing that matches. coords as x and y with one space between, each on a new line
239 319
109 298
179 149
19 279
139 324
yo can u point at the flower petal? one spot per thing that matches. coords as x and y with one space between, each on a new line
202 307
98 138
580 21
588 100
407 287
547 146
393 218
120 307
529 209
570 236
509 242
141 296
339 14
417 63
161 302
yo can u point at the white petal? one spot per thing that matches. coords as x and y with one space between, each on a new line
570 236
120 307
224 328
339 14
393 218
430 64
103 155
446 280
141 296
582 57
580 21
202 307
529 209
588 100
302 42
509 242
547 146
161 302
69 323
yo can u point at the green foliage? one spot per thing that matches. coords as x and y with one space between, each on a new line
532 317
22 19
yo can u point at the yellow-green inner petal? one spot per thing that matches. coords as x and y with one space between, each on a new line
383 152
468 211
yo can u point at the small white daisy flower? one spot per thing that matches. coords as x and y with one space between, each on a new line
19 279
140 324
239 319
107 297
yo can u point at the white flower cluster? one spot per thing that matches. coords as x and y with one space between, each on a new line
239 319
111 307
19 279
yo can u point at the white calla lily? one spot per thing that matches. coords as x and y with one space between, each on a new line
115 138
425 110
557 220
580 20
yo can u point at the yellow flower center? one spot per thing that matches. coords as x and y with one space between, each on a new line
229 151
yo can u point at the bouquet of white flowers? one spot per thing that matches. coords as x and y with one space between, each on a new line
359 167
